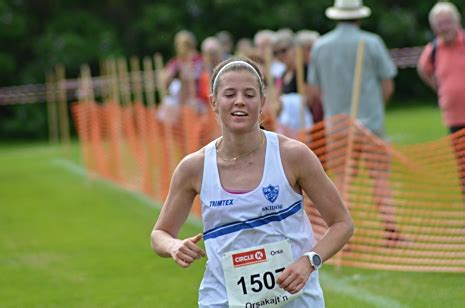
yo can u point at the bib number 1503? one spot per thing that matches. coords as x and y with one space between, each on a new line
257 282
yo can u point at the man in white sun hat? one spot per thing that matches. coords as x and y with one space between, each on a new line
333 64
331 79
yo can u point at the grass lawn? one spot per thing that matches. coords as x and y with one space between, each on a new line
414 123
67 240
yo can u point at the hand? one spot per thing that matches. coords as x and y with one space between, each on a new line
296 275
186 251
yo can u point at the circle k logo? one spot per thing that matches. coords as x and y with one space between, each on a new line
249 257
259 255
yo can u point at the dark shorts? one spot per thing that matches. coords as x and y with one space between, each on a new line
454 129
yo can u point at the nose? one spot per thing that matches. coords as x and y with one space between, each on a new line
240 100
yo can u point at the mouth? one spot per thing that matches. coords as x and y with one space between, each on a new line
239 114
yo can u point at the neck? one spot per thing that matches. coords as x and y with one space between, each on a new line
451 40
233 147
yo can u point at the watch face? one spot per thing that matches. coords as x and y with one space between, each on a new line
316 260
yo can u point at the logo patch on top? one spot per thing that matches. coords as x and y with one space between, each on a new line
271 192
249 257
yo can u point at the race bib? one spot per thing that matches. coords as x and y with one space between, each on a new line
251 275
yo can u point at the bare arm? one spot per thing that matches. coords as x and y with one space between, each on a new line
425 67
183 189
305 170
313 92
324 194
427 78
387 87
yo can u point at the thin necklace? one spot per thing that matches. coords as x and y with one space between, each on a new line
242 155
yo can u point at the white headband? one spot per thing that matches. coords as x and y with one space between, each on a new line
231 64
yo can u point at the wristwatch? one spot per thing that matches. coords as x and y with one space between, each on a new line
315 259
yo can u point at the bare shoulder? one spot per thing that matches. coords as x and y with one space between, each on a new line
294 150
190 169
298 159
193 162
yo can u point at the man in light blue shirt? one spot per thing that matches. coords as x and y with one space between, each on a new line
331 74
331 78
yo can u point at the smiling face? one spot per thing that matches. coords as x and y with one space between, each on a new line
238 100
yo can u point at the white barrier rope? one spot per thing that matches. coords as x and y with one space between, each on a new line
37 93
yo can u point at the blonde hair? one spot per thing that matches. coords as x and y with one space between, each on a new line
443 7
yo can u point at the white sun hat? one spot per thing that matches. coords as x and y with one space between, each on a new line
348 10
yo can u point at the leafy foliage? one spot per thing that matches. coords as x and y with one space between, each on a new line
36 35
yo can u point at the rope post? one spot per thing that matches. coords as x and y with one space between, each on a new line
62 106
136 79
105 87
115 120
113 77
157 58
149 82
299 67
140 119
52 113
270 83
125 88
167 138
87 152
151 151
355 102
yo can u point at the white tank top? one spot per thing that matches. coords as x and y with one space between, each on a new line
271 212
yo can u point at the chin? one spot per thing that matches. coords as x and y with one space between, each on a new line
240 128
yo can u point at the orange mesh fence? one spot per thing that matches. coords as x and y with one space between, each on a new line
134 147
406 201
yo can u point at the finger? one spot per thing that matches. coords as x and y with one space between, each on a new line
294 288
284 279
281 278
286 283
295 283
188 255
184 254
195 248
190 250
196 238
182 263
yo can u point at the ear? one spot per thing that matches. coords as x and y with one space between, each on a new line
262 103
212 100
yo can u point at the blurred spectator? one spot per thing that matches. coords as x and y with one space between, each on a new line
244 46
305 39
212 54
187 63
263 41
331 78
333 64
285 32
442 63
181 76
293 115
227 43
